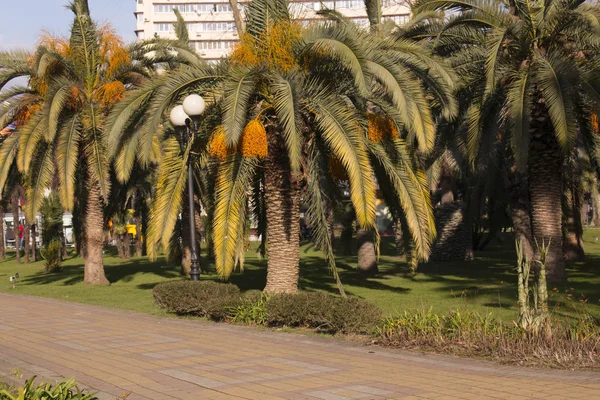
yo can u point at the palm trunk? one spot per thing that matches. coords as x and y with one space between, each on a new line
398 237
27 244
118 241
520 215
94 239
545 187
126 245
367 258
144 227
78 226
138 237
573 231
596 205
282 204
138 225
237 17
2 237
33 244
446 185
16 223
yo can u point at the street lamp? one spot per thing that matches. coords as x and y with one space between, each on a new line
185 119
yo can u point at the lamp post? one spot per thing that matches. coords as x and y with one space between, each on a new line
185 119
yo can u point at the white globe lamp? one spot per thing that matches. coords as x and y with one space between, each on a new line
194 105
178 116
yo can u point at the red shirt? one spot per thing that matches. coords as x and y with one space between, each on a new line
21 230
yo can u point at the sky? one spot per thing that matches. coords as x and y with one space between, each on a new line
22 21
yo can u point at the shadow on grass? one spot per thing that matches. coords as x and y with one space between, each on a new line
489 281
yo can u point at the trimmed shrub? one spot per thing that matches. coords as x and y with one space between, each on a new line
221 301
212 300
322 312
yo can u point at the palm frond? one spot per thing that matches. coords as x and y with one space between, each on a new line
342 132
30 136
170 184
67 150
181 28
411 188
519 98
8 153
95 151
55 103
237 90
231 188
315 212
557 90
39 180
287 107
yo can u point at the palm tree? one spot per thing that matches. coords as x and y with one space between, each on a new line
290 122
538 67
287 103
140 134
73 83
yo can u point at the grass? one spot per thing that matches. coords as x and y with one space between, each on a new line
487 284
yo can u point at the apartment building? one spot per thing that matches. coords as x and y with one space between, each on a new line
211 25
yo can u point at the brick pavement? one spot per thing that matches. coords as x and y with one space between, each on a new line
153 357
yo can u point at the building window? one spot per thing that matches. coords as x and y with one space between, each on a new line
350 4
200 8
140 17
215 45
168 8
213 27
164 27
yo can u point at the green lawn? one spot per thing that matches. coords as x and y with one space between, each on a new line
487 284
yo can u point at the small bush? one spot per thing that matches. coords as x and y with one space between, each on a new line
322 312
253 310
65 390
52 255
216 301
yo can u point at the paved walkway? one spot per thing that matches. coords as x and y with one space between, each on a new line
153 357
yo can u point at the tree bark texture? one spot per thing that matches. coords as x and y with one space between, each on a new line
2 238
138 237
94 238
33 243
454 240
237 17
26 239
572 230
545 188
520 215
398 237
367 257
16 223
282 195
446 185
144 220
596 205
